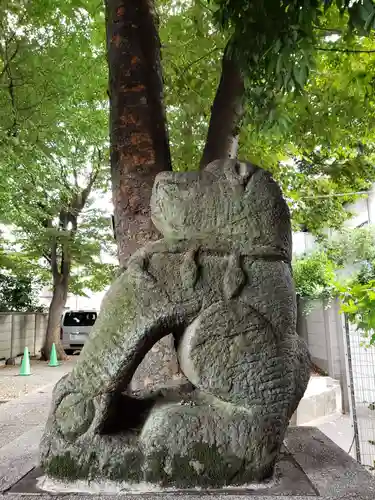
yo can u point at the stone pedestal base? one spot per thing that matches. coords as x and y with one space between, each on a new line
310 466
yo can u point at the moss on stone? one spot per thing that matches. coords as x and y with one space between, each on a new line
155 470
184 470
214 467
68 468
128 469
63 467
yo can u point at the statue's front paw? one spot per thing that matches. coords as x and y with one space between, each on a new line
74 416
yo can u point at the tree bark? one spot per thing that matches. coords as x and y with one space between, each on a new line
56 308
138 132
226 113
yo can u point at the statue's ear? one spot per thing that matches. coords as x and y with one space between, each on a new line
214 167
239 172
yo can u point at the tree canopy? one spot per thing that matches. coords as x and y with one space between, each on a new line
318 142
54 144
308 115
53 126
19 284
18 293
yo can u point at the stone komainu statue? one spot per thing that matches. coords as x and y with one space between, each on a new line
221 282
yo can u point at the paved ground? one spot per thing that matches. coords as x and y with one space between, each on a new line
12 385
23 416
338 428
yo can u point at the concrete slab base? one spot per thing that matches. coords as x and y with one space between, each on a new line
310 466
289 480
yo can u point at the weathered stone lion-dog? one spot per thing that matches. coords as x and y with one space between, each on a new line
221 282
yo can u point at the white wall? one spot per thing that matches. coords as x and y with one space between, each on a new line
371 205
323 331
360 210
363 210
302 242
93 301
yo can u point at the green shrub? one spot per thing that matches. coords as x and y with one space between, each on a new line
18 293
358 302
314 276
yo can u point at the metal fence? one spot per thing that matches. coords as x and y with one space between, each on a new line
360 362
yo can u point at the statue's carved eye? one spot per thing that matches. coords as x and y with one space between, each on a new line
244 171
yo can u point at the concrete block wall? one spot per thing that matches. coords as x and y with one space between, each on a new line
323 330
20 330
323 397
5 335
315 330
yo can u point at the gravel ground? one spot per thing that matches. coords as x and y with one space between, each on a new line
13 386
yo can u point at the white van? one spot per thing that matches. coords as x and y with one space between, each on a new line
75 329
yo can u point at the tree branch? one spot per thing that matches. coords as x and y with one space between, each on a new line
66 261
346 51
54 266
36 104
48 258
206 7
329 31
226 113
85 193
75 175
5 85
12 37
8 60
34 107
13 129
63 175
70 215
207 54
66 217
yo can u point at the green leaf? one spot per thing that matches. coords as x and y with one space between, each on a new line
370 21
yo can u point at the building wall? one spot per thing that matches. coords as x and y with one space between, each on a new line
20 330
302 242
363 214
363 211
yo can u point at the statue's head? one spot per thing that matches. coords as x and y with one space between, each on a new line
229 201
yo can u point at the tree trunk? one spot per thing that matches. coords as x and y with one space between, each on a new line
138 133
60 260
226 114
56 308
